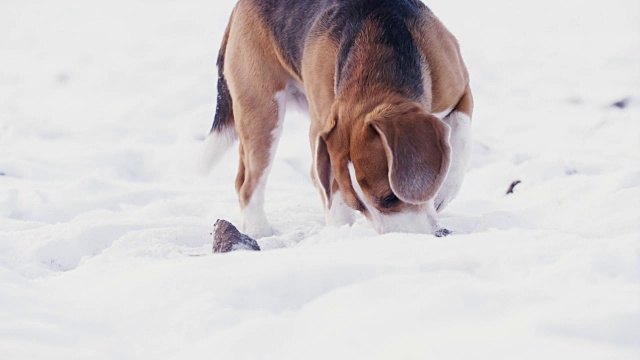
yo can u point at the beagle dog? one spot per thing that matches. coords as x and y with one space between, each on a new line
388 96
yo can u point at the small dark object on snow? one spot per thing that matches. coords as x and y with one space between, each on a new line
621 104
2 174
227 238
442 233
513 186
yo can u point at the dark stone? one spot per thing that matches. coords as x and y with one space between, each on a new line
621 104
227 238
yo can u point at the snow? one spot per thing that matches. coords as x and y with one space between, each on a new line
105 226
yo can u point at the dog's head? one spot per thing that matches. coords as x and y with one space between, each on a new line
388 163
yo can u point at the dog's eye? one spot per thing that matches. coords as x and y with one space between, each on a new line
389 201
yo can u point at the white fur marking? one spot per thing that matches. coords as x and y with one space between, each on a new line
407 222
443 114
281 103
460 141
253 220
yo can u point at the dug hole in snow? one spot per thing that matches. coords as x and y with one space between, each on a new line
106 229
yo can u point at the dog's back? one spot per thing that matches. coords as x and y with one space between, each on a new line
292 22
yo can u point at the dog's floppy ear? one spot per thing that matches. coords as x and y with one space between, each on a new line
331 163
322 168
417 148
322 160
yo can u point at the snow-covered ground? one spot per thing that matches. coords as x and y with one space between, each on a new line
105 228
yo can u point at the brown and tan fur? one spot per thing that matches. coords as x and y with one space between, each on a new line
394 143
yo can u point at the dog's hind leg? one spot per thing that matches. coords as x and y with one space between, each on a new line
459 120
258 86
258 144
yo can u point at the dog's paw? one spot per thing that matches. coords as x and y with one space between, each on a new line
257 231
254 223
442 232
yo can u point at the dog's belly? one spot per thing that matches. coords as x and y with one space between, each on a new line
297 97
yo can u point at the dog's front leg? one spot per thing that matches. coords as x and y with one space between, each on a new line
260 126
459 122
336 211
460 141
339 213
432 216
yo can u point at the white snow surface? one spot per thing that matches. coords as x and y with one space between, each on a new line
105 225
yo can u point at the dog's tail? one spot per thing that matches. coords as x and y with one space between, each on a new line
223 131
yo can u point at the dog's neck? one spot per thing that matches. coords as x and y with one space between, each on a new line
376 64
362 103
